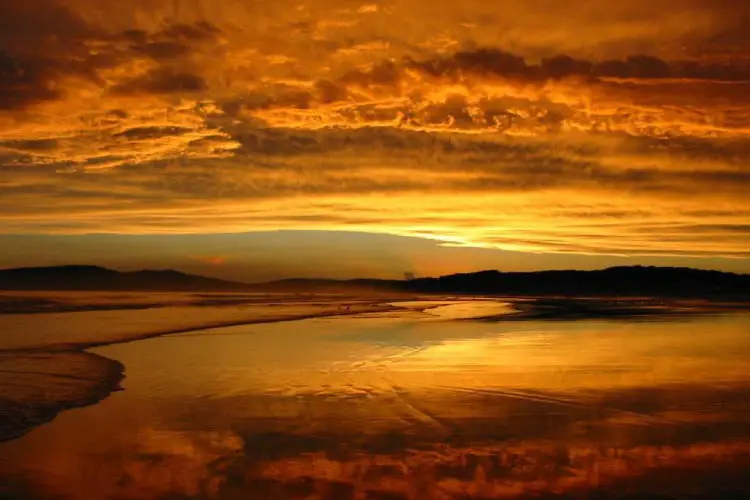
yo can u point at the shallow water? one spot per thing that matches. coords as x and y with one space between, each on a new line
409 404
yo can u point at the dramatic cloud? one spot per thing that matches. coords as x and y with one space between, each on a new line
530 125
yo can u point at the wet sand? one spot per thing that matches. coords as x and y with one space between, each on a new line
428 398
52 348
46 368
37 385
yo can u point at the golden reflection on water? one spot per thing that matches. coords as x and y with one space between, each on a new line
338 356
409 407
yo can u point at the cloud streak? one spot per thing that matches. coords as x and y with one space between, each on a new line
515 194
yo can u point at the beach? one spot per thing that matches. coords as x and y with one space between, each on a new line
408 399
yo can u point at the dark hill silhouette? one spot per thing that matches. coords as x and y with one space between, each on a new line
100 278
626 281
614 281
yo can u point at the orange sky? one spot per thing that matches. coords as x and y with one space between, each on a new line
585 127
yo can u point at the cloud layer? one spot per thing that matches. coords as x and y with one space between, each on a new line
584 128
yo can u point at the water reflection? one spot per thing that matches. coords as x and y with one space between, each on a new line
409 407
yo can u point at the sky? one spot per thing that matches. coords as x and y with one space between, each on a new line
342 138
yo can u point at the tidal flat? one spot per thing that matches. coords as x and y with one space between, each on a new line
227 396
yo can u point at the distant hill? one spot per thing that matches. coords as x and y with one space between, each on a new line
614 281
101 278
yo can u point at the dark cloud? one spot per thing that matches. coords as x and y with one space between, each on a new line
174 41
383 73
31 26
162 81
480 61
23 81
499 63
499 91
42 44
33 145
329 92
290 97
163 50
638 66
140 133
198 32
27 79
